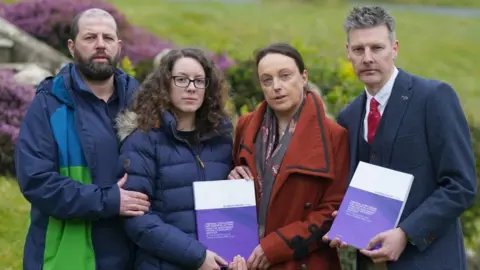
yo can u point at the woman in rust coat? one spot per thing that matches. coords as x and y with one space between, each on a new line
298 158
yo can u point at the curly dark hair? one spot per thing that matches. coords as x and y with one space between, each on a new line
153 97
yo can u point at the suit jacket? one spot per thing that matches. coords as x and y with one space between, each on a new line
424 132
309 186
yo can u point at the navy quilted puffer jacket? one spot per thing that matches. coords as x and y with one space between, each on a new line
162 165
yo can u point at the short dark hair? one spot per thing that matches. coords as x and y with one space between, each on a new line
74 28
74 25
362 17
281 48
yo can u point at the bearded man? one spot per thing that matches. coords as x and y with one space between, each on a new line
66 157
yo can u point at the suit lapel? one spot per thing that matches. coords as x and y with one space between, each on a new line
393 115
354 131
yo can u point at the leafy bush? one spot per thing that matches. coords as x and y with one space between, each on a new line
14 100
245 94
127 66
142 69
49 21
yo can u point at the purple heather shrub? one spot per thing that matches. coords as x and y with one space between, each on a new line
49 21
223 61
14 100
139 45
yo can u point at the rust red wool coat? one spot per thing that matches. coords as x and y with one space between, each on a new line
310 185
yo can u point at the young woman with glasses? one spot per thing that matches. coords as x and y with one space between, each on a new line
176 133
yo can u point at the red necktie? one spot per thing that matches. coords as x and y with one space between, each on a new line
373 120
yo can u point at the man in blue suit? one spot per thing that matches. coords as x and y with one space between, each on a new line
414 125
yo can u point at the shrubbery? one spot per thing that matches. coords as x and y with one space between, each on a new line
49 21
14 100
245 94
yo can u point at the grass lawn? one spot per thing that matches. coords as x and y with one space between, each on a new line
430 45
14 220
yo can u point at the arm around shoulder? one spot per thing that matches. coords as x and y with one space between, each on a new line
38 175
239 129
149 231
451 152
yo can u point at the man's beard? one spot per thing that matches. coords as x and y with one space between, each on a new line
96 71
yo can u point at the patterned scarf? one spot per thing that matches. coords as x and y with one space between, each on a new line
270 148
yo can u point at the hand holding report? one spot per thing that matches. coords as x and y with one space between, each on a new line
373 204
226 216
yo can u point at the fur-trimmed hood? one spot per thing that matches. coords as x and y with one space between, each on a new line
127 122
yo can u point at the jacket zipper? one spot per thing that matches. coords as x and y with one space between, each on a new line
199 163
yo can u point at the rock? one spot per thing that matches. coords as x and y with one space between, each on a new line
31 74
158 57
29 49
6 50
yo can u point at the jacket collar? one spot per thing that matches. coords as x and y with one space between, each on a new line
310 150
68 80
170 124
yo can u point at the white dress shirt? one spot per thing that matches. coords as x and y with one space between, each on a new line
381 97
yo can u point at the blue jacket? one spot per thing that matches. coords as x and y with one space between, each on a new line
160 164
66 164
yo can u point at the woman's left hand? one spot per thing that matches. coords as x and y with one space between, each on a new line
240 172
257 259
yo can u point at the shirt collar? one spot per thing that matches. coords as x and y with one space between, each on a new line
385 92
80 83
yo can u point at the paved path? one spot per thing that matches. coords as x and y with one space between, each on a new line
449 11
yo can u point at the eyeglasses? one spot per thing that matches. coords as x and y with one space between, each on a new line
182 81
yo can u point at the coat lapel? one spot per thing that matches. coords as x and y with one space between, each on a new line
247 148
393 115
310 150
312 158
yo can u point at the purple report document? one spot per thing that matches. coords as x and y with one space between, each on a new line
226 216
373 204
